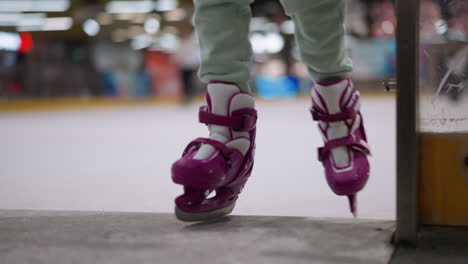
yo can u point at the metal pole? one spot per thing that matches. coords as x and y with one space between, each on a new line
407 119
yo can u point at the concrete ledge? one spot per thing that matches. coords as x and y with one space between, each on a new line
436 244
92 237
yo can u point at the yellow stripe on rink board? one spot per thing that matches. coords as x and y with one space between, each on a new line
443 179
58 104
22 105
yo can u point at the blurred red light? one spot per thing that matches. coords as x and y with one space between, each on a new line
27 43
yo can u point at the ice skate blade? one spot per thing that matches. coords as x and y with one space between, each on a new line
201 217
353 204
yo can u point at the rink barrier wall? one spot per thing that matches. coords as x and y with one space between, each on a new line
58 104
443 179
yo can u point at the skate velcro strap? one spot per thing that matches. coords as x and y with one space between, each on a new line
350 141
317 115
241 122
221 147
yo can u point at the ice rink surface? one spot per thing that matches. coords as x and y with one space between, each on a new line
118 159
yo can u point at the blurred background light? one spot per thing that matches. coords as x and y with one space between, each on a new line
287 27
57 24
271 27
9 41
257 43
168 42
274 42
27 42
152 25
46 24
441 27
166 5
10 19
22 42
91 27
144 6
267 43
258 23
32 20
20 19
141 42
388 27
34 5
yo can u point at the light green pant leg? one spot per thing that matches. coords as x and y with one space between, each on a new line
320 36
222 27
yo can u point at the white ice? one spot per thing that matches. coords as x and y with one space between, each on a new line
118 159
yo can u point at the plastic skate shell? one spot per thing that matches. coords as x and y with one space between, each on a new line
349 179
224 172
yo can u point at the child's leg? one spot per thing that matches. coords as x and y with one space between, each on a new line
222 162
320 37
223 33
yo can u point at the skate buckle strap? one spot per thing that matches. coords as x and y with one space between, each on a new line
237 122
350 141
317 115
221 147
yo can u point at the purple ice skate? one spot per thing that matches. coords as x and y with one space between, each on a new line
344 155
221 163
